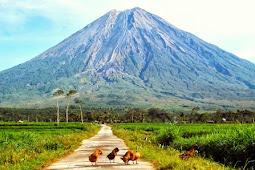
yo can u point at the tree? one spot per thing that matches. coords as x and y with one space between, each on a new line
79 102
143 113
107 117
204 117
69 95
58 93
131 113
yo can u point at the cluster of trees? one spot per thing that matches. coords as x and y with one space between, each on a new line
60 93
30 115
244 116
77 113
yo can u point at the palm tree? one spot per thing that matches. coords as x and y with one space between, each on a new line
79 102
58 93
69 95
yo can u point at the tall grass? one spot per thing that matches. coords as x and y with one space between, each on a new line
233 146
162 156
34 146
230 144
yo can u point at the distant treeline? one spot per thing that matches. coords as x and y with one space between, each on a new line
125 115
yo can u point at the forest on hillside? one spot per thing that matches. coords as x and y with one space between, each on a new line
125 115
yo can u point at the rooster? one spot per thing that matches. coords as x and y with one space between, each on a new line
136 156
111 156
93 157
186 155
129 155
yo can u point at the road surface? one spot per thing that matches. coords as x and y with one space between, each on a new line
106 141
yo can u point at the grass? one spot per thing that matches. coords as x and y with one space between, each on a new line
232 145
36 145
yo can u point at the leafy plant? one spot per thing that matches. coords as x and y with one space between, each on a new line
168 135
229 144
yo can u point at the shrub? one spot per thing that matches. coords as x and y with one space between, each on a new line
168 135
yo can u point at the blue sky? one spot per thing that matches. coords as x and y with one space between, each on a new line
29 27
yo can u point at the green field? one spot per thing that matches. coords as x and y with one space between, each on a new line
221 146
36 145
231 145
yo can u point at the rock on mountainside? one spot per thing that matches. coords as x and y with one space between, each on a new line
131 57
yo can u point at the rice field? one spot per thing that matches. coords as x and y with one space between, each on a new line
36 145
230 145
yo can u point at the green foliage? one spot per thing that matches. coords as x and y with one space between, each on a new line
35 145
58 92
168 135
124 114
230 144
137 137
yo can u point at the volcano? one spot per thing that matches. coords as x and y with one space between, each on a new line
132 58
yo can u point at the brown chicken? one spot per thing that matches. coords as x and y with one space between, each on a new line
136 156
128 156
93 157
111 156
186 155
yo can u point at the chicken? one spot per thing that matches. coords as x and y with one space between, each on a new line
128 156
93 157
136 156
186 155
111 156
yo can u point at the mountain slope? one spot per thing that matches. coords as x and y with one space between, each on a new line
130 56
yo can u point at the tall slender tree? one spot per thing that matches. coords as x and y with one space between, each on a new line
79 102
58 93
69 95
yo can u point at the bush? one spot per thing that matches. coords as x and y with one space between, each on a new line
168 135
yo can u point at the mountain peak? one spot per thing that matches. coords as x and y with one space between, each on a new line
134 53
127 10
137 9
114 11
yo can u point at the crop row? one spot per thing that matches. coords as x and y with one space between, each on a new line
32 148
230 144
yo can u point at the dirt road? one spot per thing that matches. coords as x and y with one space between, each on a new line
106 141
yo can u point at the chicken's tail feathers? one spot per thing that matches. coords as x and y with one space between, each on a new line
184 156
